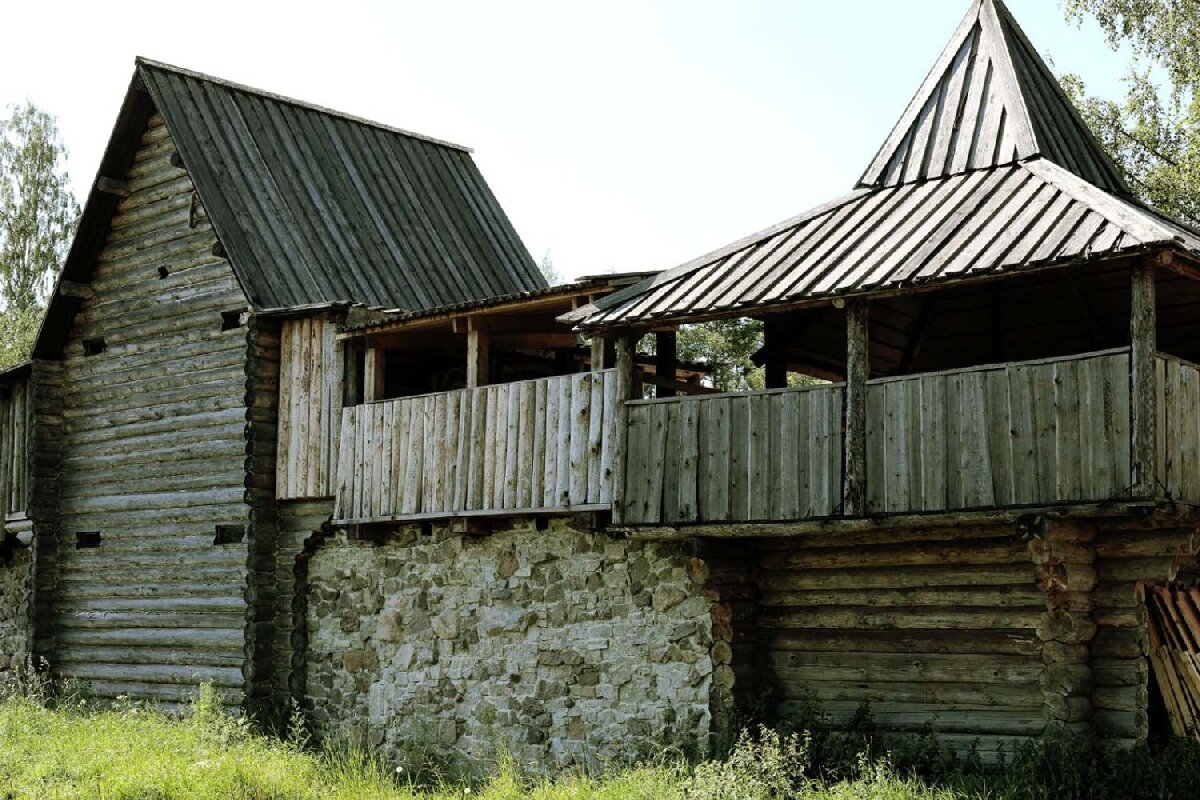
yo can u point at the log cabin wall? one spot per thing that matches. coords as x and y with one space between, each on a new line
154 549
937 624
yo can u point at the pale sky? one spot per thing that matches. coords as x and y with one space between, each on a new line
618 135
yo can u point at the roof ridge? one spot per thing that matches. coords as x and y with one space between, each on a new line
989 100
142 61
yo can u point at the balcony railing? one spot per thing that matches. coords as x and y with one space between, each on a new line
766 455
1035 433
1028 434
531 446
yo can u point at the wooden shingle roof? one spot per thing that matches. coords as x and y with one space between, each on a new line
990 169
312 206
989 100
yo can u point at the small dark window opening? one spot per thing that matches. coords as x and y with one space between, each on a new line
230 534
93 347
163 272
427 529
86 540
541 523
231 320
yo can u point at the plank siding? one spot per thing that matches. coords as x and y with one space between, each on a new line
154 453
310 404
1178 400
1038 432
768 455
524 446
16 425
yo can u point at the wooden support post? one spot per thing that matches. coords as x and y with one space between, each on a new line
373 375
628 387
666 361
1143 392
775 365
858 368
598 352
478 355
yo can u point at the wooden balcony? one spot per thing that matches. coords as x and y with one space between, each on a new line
530 447
1030 434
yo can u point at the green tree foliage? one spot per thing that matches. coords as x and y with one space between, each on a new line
1154 132
727 345
37 220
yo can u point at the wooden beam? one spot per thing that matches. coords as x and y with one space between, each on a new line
81 291
1143 390
628 388
598 350
665 344
858 371
373 375
112 186
478 356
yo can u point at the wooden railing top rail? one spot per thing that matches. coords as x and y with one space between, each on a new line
1178 360
567 376
1002 365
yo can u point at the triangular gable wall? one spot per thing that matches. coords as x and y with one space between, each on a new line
989 100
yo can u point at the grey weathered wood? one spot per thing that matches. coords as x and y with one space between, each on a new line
478 357
1142 323
857 373
624 346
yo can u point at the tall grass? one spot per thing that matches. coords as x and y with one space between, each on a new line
56 747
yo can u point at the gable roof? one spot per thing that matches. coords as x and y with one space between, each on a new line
989 100
312 206
990 169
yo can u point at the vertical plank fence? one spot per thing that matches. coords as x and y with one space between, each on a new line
1049 431
773 455
16 422
310 401
1178 429
526 446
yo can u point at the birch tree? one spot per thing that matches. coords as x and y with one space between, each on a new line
38 215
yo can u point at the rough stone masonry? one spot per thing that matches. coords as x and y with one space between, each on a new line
560 645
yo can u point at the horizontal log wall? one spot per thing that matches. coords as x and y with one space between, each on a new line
924 625
16 424
538 444
1128 552
1018 434
774 455
154 456
310 403
1178 428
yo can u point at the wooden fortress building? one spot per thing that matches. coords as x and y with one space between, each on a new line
305 421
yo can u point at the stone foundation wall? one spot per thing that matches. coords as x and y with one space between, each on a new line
16 613
562 646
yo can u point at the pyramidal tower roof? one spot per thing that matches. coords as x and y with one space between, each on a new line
989 100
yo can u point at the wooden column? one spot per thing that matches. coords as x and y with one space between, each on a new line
628 387
1143 393
478 355
373 375
598 351
775 365
665 344
858 367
